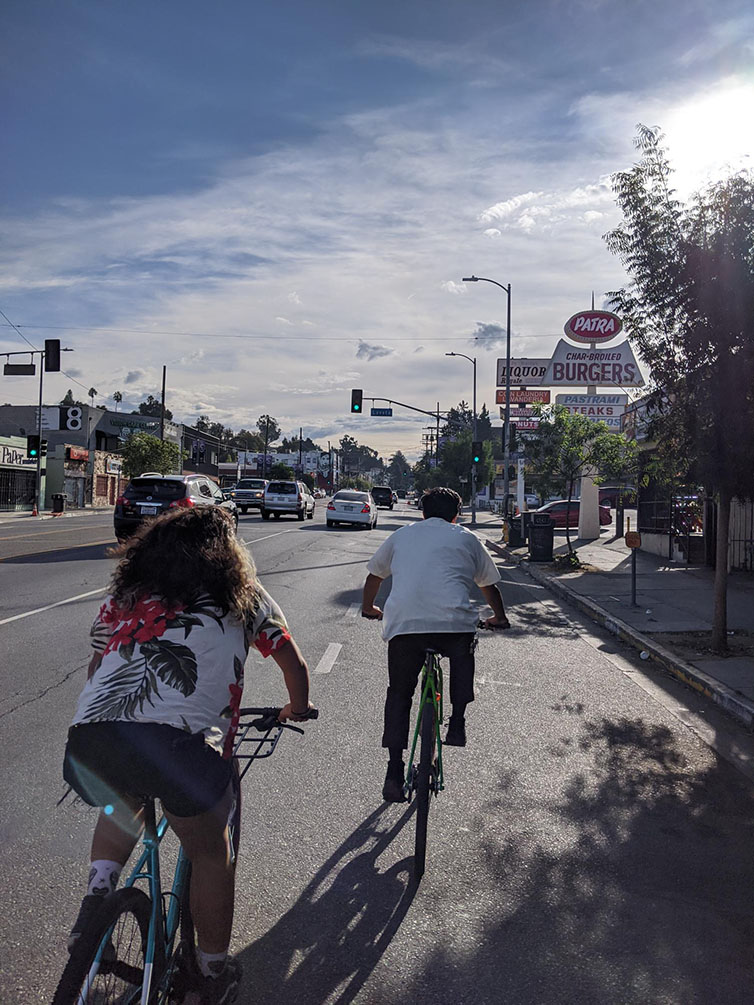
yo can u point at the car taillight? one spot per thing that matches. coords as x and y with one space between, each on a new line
182 503
365 508
120 501
331 505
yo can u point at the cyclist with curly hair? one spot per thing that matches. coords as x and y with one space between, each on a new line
160 708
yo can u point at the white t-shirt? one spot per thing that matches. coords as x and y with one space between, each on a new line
434 565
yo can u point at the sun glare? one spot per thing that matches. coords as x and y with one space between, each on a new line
711 135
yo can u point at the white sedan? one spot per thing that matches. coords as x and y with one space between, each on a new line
349 506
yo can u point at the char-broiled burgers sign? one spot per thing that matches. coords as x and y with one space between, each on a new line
593 326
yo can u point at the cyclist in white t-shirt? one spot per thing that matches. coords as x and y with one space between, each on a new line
434 564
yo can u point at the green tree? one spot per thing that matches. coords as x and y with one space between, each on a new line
282 472
92 392
688 307
69 399
117 398
245 439
269 429
398 470
144 452
152 406
566 446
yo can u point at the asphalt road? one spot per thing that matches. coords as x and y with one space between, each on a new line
589 847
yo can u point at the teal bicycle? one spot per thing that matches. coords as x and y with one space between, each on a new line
126 955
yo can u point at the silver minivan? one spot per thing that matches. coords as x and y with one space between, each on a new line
287 497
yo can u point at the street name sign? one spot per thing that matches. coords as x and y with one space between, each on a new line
381 411
521 397
523 371
574 367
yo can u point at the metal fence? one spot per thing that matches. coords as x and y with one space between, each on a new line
17 489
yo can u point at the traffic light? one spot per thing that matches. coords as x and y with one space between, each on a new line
32 446
356 400
43 448
476 451
52 355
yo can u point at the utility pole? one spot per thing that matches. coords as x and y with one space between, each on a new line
162 406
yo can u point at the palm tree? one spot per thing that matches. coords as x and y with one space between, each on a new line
92 392
117 398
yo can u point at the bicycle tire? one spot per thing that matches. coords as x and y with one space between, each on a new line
119 979
424 787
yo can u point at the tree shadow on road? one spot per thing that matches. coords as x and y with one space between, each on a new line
635 889
79 553
326 946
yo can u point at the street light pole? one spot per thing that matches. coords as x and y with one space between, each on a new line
507 419
474 436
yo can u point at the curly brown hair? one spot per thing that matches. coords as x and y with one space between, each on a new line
183 554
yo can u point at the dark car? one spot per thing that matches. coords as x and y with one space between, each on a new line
151 495
383 496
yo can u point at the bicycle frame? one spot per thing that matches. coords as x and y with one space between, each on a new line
431 691
164 924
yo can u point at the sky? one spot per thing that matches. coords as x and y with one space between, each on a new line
278 202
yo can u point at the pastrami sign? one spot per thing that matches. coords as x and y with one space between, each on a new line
593 326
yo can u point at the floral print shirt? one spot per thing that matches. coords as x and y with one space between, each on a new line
181 666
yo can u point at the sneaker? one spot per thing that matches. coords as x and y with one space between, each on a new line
456 734
190 987
392 790
90 905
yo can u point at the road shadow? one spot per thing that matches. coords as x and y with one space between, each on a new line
332 938
635 888
81 553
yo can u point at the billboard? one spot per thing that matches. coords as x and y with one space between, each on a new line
572 366
523 371
593 326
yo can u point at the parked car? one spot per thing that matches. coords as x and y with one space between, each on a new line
531 500
557 510
152 494
350 506
249 493
610 494
292 498
383 496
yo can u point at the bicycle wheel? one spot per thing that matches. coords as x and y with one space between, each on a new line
424 787
122 924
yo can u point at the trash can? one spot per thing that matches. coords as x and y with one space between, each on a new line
541 535
58 502
515 539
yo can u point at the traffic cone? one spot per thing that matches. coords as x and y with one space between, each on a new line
34 511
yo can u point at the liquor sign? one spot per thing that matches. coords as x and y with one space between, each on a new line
523 371
593 326
520 397
573 367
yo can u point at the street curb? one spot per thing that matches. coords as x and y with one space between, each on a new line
21 515
733 703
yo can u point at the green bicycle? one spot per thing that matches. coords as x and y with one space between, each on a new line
425 778
127 952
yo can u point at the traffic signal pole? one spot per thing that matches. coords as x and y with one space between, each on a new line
38 492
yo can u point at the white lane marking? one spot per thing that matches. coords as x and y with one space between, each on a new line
268 536
327 662
49 607
352 611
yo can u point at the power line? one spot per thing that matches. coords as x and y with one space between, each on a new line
277 337
18 329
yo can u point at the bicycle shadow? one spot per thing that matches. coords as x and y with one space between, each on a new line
335 934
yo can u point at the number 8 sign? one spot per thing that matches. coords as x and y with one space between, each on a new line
71 418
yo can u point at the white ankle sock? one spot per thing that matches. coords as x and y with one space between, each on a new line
210 964
103 877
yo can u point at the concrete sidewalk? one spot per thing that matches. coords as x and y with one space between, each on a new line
21 515
674 609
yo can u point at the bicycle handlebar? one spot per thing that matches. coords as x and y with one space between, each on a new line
269 718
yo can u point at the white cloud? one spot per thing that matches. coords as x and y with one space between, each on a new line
452 287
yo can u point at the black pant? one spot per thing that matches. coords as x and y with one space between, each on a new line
405 658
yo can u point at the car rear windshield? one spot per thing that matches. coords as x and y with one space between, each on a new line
283 488
351 496
377 491
158 488
251 483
